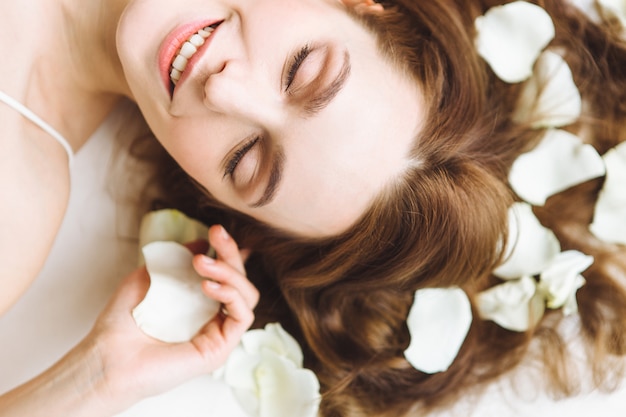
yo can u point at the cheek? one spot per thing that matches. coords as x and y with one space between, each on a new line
195 156
131 33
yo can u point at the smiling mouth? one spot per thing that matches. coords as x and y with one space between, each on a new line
187 51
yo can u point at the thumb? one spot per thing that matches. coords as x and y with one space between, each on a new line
131 290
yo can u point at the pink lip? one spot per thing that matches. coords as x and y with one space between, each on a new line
172 44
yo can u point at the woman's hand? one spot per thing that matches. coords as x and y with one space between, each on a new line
117 365
134 366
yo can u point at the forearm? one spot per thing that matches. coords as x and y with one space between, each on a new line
70 388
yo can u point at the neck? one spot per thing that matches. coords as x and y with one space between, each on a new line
68 65
88 43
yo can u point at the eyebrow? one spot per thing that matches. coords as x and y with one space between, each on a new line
322 99
276 174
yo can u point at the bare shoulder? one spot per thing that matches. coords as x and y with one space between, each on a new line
34 188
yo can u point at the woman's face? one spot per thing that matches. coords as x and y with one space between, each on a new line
287 112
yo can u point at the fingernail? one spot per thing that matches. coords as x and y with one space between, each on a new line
225 234
214 285
208 260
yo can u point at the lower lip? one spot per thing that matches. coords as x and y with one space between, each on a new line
172 44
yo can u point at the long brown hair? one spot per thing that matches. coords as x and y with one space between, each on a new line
444 222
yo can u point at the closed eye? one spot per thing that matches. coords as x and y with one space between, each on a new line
238 155
296 62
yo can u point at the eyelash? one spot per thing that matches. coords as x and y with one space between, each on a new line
296 62
239 154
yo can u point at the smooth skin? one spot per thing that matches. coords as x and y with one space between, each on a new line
335 159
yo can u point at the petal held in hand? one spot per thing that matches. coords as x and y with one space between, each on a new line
169 225
175 308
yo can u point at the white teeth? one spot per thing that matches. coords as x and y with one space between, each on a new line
175 75
196 40
188 50
180 63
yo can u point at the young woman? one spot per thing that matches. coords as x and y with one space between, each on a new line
383 112
258 113
440 220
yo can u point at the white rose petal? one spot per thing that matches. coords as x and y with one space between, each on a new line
549 98
511 37
438 323
175 308
560 281
530 248
265 372
514 305
617 8
609 220
169 225
238 372
276 339
284 389
560 161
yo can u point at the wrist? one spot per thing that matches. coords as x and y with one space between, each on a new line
73 387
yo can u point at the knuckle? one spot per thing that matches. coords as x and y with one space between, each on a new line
246 318
256 296
229 295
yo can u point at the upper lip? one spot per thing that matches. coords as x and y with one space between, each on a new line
172 44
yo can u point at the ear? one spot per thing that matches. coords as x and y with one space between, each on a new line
363 6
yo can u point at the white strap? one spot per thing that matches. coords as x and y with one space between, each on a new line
27 113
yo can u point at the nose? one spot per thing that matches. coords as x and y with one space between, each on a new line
242 91
225 90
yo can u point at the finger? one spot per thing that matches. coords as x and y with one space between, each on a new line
238 316
217 339
224 274
132 289
128 295
226 248
213 345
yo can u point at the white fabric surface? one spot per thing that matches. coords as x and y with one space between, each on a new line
93 252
